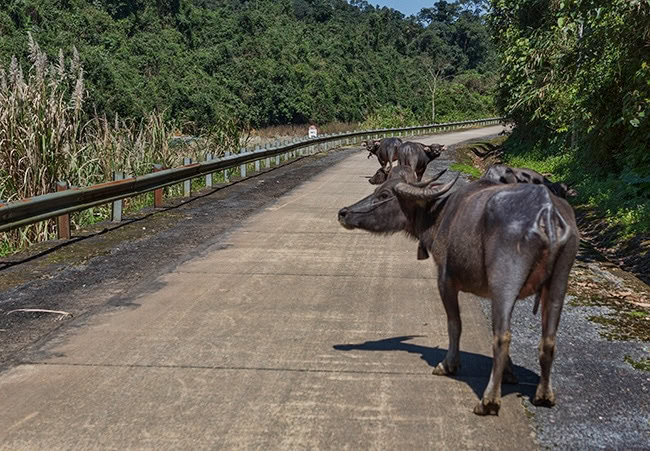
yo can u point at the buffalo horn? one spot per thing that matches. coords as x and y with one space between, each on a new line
426 183
427 194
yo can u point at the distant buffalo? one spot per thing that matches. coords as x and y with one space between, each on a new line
418 155
382 174
385 150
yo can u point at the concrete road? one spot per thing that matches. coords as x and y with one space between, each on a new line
295 333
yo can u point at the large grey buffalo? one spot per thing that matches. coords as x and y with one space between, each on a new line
506 174
418 156
385 150
500 241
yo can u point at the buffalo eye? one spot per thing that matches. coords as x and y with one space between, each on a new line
384 196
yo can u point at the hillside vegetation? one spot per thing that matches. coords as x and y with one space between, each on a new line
88 87
575 78
263 62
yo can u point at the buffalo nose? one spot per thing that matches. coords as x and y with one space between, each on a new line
343 212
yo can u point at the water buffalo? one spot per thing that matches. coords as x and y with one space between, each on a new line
380 176
385 150
418 156
505 174
500 241
383 174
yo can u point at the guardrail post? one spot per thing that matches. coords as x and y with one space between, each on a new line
242 168
63 221
187 184
226 175
257 162
116 211
267 163
157 193
208 177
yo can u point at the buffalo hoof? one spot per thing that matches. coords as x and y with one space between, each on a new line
445 369
489 408
544 399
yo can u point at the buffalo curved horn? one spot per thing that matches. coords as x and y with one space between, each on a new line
428 194
424 184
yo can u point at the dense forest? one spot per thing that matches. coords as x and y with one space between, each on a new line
575 78
104 85
264 62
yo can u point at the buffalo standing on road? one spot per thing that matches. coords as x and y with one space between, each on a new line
385 150
418 156
505 174
500 241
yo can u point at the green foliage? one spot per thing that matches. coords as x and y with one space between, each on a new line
45 137
263 62
389 117
575 77
579 69
466 169
623 200
641 364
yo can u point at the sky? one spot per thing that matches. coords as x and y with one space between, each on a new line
408 7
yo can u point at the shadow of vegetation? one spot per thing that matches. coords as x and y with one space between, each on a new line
475 368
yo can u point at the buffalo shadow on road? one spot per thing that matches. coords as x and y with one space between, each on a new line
474 371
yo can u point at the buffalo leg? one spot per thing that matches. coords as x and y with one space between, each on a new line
509 374
501 313
449 295
552 303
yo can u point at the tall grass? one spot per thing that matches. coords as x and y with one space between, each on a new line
47 136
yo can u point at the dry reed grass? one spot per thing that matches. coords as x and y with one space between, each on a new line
46 137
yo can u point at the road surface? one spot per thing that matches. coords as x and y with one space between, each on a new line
289 333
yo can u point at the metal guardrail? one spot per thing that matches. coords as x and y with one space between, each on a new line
40 208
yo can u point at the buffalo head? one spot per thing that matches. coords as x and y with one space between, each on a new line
372 146
433 151
380 176
563 190
394 205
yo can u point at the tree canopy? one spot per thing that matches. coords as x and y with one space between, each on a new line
262 61
579 70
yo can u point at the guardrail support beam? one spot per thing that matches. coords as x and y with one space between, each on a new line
187 184
116 212
63 221
242 168
208 177
226 176
158 195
